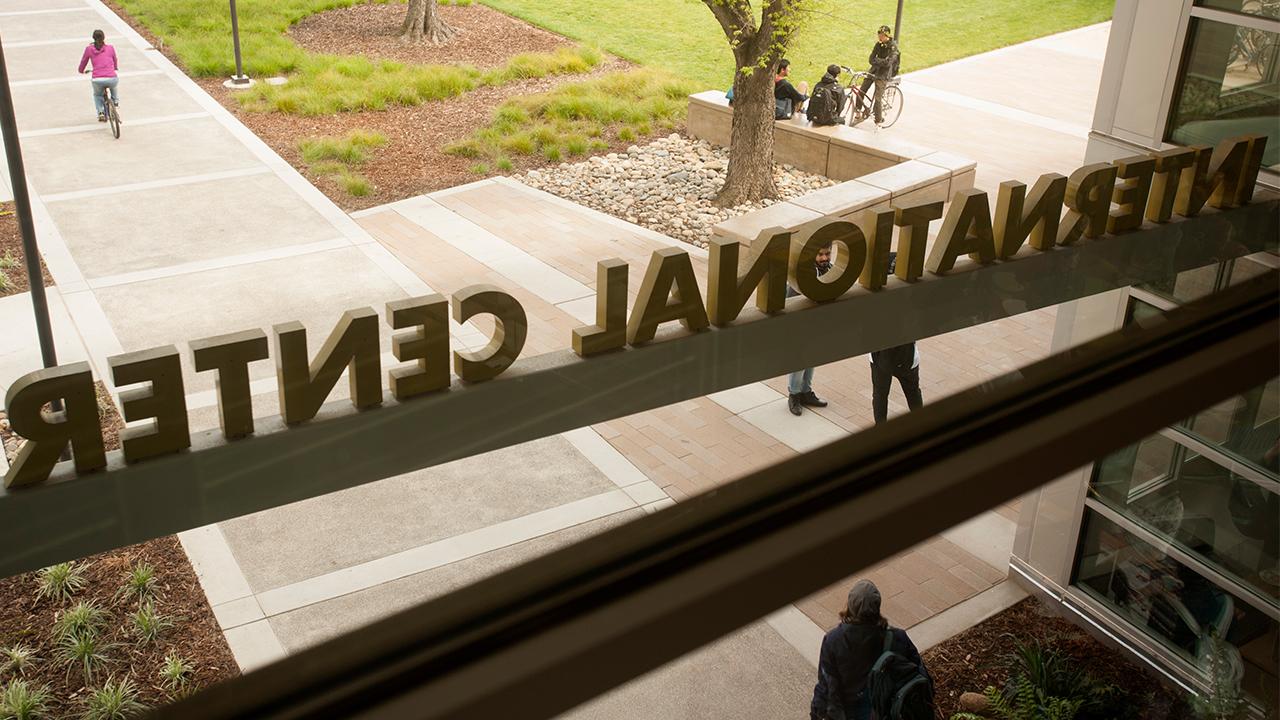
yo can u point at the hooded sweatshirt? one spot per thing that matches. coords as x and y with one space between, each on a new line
105 62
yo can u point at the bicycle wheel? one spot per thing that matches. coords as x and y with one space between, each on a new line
890 106
113 118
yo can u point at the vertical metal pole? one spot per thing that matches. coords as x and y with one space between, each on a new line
897 23
22 201
235 35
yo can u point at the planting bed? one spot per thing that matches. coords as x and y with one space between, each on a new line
12 258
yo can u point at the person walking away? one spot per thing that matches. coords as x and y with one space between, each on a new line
884 61
800 383
866 666
787 98
105 64
827 100
901 362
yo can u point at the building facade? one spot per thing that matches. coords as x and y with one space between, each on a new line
1169 547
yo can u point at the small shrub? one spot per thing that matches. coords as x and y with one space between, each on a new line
82 619
8 262
552 153
17 659
504 164
60 582
113 701
85 651
148 624
353 148
19 701
480 168
328 168
626 134
575 145
4 281
140 583
175 675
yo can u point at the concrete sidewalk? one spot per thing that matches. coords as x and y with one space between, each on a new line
208 231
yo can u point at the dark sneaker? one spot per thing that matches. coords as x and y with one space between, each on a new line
811 400
793 402
102 117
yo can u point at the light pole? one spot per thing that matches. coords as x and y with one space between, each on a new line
897 23
22 203
238 81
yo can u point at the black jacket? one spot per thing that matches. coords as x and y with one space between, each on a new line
834 86
784 90
848 652
884 59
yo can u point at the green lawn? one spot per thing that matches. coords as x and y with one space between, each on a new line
681 35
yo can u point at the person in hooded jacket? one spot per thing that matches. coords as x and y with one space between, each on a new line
105 65
829 85
848 652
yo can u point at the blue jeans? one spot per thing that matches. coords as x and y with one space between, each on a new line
800 381
98 84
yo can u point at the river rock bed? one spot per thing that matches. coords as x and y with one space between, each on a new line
668 185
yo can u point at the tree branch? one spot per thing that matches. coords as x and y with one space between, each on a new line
735 18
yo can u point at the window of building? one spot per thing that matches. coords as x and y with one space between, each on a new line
1230 80
1180 608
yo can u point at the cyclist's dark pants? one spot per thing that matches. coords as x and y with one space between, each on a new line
880 85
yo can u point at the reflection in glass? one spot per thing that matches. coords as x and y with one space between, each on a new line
1246 426
1264 8
1188 285
1229 87
1178 607
1142 313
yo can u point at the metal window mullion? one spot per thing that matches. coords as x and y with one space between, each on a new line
1158 301
1221 457
1255 22
1171 547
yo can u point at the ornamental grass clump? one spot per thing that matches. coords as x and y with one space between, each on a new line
139 584
175 675
17 659
113 701
85 618
88 652
19 700
149 625
59 582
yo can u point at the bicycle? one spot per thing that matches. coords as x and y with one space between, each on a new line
858 107
113 115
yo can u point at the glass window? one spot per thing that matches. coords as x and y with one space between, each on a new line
1264 8
1177 607
1142 313
1229 87
1229 522
1246 426
1188 285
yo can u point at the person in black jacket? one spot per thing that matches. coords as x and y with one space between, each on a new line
884 60
848 652
789 99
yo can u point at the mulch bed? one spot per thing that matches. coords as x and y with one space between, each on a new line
195 635
11 247
412 163
975 659
486 37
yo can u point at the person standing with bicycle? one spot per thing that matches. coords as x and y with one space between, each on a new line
884 61
105 65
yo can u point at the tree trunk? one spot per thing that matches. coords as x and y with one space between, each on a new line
423 22
750 175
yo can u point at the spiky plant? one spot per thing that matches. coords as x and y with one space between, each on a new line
139 583
113 701
20 701
60 582
84 618
148 624
17 659
87 652
175 675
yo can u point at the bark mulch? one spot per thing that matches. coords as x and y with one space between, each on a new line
13 261
195 636
975 659
486 38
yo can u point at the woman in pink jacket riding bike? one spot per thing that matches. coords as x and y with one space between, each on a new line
105 64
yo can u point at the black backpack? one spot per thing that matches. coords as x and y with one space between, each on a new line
823 105
897 687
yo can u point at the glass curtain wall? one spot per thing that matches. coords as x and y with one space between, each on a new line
1181 530
1230 79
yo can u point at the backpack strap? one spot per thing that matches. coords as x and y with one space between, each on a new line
888 639
901 696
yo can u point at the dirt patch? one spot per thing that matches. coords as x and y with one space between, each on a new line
13 261
974 659
486 38
413 161
195 636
